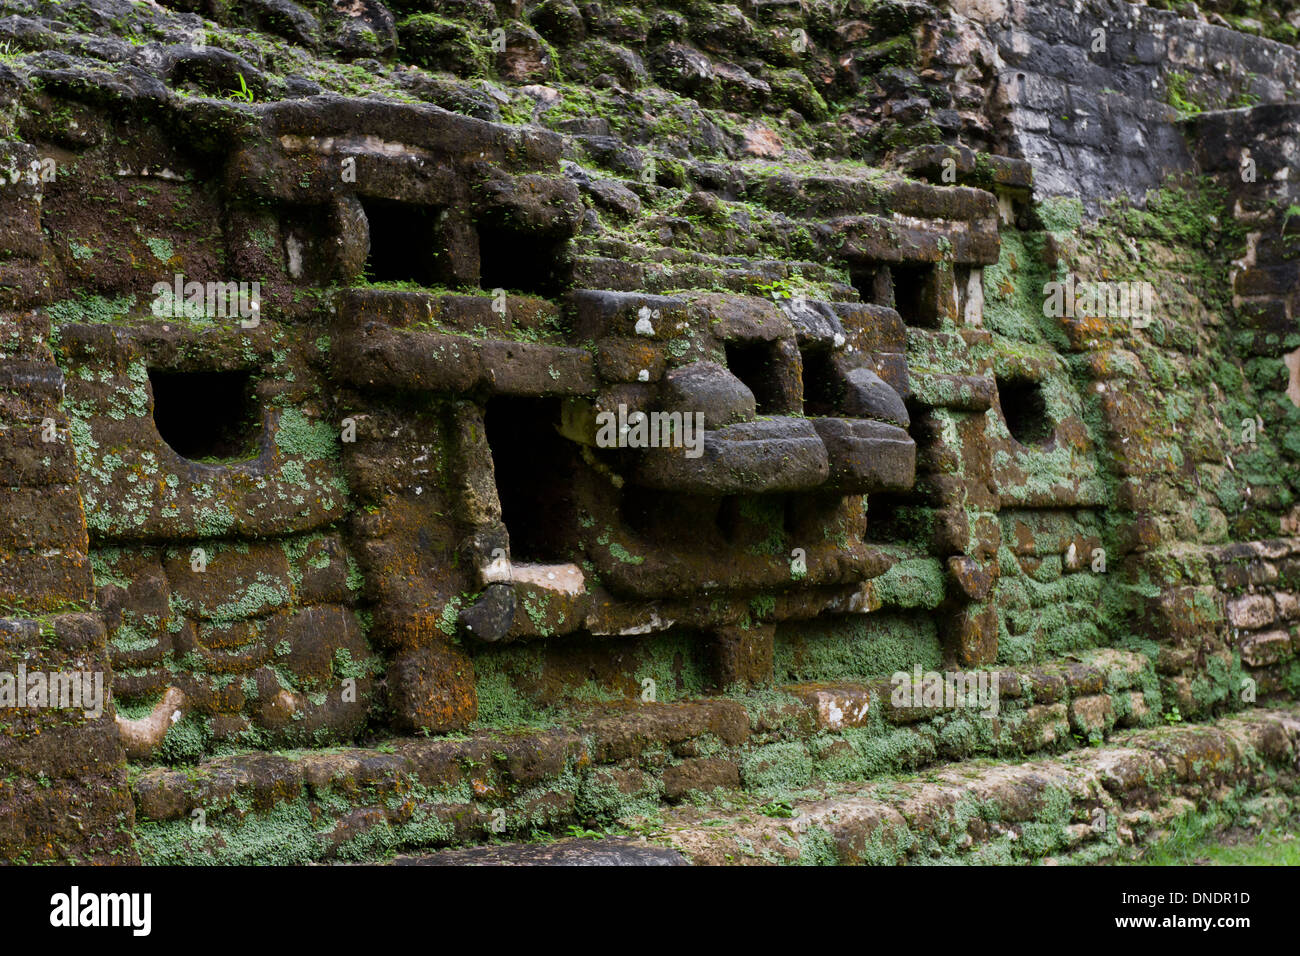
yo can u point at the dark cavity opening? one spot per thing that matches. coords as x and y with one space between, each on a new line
210 76
807 515
872 283
792 516
534 470
755 364
892 518
403 242
206 416
916 296
520 263
648 511
1025 410
727 519
308 225
755 523
822 388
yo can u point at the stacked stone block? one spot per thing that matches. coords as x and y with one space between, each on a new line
905 462
63 795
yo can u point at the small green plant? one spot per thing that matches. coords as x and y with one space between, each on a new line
243 94
782 809
581 833
1178 97
1173 717
1292 210
786 288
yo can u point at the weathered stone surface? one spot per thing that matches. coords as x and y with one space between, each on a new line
708 388
866 455
491 616
744 655
767 455
868 396
1091 715
414 252
700 775
1042 726
432 689
837 707
605 852
1251 611
975 635
1264 648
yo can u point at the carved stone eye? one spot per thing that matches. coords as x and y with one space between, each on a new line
916 295
533 466
402 242
757 364
206 416
1025 411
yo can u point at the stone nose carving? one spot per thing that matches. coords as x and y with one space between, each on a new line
794 412
743 454
765 455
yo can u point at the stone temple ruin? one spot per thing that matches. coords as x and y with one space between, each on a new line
965 336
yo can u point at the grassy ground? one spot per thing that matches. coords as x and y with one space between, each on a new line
1191 846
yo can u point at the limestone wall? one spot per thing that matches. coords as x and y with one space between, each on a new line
313 321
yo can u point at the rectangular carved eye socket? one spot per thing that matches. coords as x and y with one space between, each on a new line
533 466
916 295
402 242
822 388
755 364
520 262
206 416
1025 410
